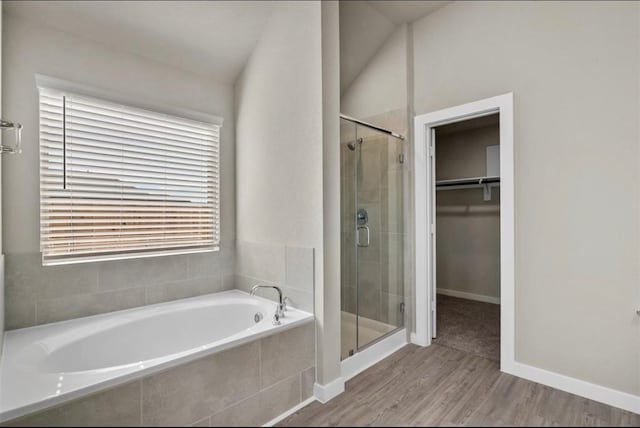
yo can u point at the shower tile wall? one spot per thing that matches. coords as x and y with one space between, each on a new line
380 266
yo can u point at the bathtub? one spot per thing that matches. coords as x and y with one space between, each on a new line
49 364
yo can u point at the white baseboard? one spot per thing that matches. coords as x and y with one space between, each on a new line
324 393
469 296
289 412
364 359
579 387
413 337
602 394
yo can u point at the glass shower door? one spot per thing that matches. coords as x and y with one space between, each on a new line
379 235
348 251
372 245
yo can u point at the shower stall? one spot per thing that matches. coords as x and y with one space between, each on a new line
372 173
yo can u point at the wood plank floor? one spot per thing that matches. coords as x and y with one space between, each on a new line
443 386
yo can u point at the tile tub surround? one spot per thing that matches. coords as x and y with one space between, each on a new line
36 294
290 268
246 385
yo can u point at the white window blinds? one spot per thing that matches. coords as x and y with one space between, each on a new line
122 182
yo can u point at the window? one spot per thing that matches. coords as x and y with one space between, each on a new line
122 182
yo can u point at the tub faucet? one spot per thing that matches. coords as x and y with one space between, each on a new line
280 309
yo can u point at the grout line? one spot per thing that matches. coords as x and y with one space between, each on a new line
141 402
300 383
286 263
255 394
260 365
235 403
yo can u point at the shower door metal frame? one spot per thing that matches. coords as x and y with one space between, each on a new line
359 142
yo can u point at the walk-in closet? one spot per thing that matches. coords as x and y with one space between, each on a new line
467 236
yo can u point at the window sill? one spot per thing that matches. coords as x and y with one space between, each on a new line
114 257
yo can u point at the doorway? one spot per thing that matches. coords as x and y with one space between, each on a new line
467 236
425 217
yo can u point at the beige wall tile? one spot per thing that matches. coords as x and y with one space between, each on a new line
19 313
393 202
141 272
68 280
205 264
189 393
23 275
245 283
229 281
262 407
56 293
206 422
183 289
246 413
64 308
299 268
308 379
258 260
280 397
300 299
390 309
287 353
392 268
228 257
119 406
369 287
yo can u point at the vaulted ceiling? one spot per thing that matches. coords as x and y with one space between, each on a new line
212 38
365 25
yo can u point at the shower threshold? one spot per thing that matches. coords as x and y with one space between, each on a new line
387 340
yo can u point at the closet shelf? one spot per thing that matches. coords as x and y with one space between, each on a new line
467 182
470 183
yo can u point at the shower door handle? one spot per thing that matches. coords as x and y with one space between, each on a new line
366 229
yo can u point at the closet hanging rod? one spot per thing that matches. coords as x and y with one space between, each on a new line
467 181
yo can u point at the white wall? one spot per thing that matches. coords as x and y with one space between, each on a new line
28 49
363 29
279 152
573 68
279 132
1 250
328 290
381 86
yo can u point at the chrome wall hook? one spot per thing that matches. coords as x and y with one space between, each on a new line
6 125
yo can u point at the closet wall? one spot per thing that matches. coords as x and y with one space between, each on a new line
467 226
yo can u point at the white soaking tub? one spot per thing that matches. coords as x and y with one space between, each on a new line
52 363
